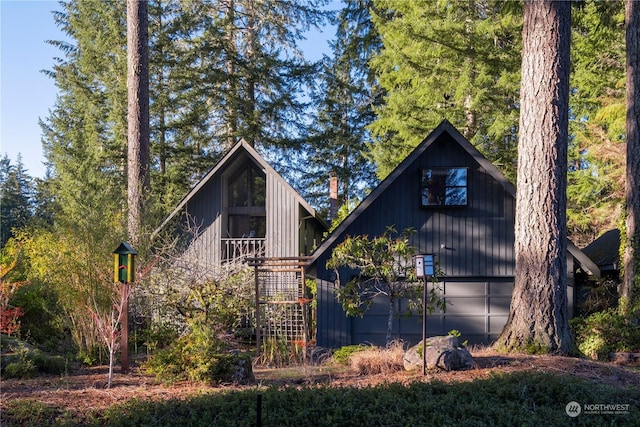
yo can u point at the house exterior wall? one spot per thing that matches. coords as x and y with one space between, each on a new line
291 230
204 213
282 220
473 247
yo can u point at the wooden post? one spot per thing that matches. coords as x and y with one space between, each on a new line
124 339
257 290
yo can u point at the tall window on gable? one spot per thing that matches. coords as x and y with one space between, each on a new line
247 200
248 188
444 187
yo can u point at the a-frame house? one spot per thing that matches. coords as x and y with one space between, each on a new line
243 207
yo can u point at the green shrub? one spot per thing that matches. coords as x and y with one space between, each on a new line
20 369
343 354
24 361
42 323
30 412
605 332
200 356
509 399
158 336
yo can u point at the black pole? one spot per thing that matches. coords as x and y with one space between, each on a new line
424 327
259 411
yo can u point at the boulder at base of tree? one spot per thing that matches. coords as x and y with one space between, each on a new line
443 352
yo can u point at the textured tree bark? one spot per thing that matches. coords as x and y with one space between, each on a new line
632 189
137 115
538 319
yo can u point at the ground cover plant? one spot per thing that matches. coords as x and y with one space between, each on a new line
523 390
521 398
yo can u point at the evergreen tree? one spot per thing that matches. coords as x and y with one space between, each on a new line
455 60
84 137
596 149
16 196
344 101
137 117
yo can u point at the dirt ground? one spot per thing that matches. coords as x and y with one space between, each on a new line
85 389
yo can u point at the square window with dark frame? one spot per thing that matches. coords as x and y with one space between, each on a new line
444 187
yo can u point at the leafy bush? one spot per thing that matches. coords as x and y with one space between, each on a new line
23 361
30 412
42 323
158 336
200 355
605 332
343 354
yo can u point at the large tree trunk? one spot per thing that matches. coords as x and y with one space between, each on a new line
232 104
138 115
632 247
252 108
538 318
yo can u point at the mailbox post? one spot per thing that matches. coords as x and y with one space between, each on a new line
124 273
425 269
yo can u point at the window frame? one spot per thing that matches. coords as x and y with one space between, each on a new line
445 188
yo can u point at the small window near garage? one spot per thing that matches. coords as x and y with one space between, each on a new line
444 187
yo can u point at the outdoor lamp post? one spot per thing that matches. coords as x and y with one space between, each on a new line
124 272
425 269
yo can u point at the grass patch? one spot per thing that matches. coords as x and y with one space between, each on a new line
374 360
522 399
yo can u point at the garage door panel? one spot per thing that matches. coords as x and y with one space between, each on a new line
479 309
465 289
499 305
465 325
496 323
466 305
504 288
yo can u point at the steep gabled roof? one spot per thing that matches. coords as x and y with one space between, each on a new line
604 251
240 146
444 127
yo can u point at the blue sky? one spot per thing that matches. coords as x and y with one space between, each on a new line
27 94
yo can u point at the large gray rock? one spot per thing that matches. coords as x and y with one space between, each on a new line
442 352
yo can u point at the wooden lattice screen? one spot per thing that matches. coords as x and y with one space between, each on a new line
282 304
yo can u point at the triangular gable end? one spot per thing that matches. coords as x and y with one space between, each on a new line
444 127
254 156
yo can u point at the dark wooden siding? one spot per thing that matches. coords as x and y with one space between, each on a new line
205 214
282 219
474 242
290 229
477 238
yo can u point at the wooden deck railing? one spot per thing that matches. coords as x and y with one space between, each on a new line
238 248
